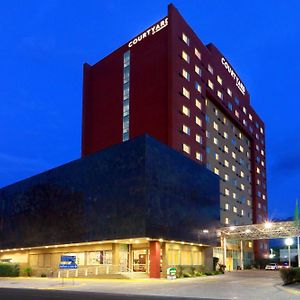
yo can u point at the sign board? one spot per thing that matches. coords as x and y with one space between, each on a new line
171 273
68 262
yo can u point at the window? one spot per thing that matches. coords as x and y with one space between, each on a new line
186 129
198 103
225 148
226 163
186 148
216 171
220 95
244 110
216 127
210 84
242 174
249 202
226 177
226 191
210 69
229 92
185 93
185 56
261 130
234 155
198 87
230 106
219 79
198 121
236 100
245 122
217 156
242 212
242 187
126 82
197 53
198 70
226 221
185 74
185 39
216 142
250 117
226 206
198 139
185 111
241 148
235 209
198 156
236 113
233 168
225 135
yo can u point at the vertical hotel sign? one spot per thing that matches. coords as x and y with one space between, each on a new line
234 76
151 31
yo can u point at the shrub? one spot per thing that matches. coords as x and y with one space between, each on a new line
186 274
221 268
209 273
179 271
43 275
198 274
9 270
27 271
288 275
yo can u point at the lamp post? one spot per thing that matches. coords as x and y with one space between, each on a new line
289 242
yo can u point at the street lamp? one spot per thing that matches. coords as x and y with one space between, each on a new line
289 242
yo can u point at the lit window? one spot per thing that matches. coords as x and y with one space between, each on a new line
216 171
242 187
224 120
198 87
262 152
242 212
242 174
210 84
219 79
185 39
249 202
197 53
220 95
185 111
244 110
207 134
264 197
225 148
225 134
261 130
258 170
226 163
198 156
226 191
235 209
217 156
216 142
186 129
241 148
210 69
240 135
198 121
229 92
262 163
233 168
198 139
198 103
197 70
185 56
226 177
186 148
226 221
234 155
216 127
234 195
185 74
250 244
250 117
236 113
226 206
185 93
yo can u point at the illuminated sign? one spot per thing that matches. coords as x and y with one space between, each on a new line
151 31
238 83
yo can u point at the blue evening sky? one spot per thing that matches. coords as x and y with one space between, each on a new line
44 44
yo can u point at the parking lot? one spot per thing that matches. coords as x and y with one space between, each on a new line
246 285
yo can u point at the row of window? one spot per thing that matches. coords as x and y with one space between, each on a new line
187 149
126 81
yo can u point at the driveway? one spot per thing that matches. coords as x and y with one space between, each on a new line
244 285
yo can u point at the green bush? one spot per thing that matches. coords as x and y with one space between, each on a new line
198 274
209 273
187 275
43 275
9 270
27 271
288 276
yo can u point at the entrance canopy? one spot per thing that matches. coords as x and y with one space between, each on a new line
264 231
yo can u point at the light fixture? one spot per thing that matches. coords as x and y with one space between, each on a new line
205 231
289 241
268 225
231 228
248 231
160 240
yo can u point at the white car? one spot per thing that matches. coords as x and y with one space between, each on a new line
271 266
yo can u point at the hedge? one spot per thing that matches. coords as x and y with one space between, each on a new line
290 275
9 270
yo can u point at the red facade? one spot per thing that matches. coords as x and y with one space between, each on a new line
156 98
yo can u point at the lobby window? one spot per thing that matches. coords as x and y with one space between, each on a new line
226 206
198 70
185 56
198 103
186 129
210 84
197 53
185 111
199 156
219 79
126 87
216 127
210 69
185 39
185 93
198 121
198 87
220 95
186 148
216 171
226 221
229 92
185 74
198 139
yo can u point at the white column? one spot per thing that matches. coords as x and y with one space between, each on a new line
298 248
224 250
242 255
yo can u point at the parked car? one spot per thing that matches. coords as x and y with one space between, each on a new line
271 266
283 266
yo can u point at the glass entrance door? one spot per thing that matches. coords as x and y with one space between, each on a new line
140 260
